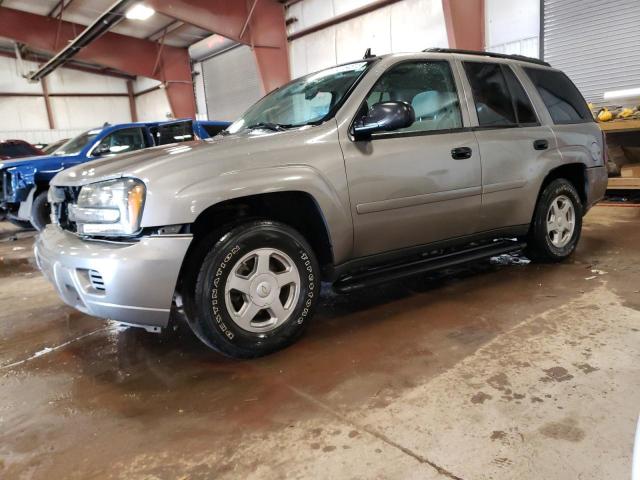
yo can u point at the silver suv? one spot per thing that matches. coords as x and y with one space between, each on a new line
357 174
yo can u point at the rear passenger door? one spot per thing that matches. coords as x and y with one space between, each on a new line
420 184
512 143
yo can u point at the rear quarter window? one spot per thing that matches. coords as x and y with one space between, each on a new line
563 99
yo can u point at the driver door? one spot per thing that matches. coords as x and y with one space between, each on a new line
421 184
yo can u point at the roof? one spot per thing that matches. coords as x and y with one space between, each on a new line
519 58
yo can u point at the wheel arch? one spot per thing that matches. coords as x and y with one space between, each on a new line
575 173
295 208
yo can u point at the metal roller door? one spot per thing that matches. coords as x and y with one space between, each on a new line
231 83
595 42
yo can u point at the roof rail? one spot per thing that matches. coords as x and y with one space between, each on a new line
521 58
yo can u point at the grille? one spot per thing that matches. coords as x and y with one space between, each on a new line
97 282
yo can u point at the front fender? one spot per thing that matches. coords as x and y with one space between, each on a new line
189 202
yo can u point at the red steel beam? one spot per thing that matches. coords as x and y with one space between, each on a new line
464 20
264 30
128 54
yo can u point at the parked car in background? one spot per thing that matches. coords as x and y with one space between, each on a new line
24 183
355 175
52 147
18 149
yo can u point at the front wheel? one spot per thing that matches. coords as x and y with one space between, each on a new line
40 211
557 222
255 290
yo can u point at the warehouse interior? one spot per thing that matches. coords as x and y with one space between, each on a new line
473 360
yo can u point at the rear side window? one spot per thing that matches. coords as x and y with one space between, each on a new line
173 133
499 98
490 94
521 103
563 100
213 130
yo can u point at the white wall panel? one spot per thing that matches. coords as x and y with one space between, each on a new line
81 112
153 106
410 25
341 7
144 83
39 136
509 22
372 30
11 79
23 113
201 94
66 80
416 25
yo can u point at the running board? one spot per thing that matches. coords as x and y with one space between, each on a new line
393 272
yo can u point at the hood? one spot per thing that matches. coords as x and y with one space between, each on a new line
42 161
220 154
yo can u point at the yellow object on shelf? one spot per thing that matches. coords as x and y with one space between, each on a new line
625 113
605 115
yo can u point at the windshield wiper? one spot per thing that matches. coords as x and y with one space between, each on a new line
276 127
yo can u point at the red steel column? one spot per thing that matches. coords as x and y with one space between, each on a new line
265 31
465 23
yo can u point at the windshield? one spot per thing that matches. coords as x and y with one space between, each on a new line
75 145
307 100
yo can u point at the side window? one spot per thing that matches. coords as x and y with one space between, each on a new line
563 100
430 89
524 110
121 141
173 133
213 130
493 102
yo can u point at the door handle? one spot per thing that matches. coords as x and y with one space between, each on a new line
461 153
540 144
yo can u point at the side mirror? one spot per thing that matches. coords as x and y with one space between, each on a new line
384 117
102 150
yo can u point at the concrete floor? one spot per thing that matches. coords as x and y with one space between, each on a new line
494 372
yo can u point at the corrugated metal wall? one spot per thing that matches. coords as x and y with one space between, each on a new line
232 83
596 42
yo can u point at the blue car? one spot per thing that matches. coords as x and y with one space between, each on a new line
24 183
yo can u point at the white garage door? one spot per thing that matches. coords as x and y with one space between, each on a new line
595 42
231 83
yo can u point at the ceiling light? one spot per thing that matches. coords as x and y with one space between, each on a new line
140 12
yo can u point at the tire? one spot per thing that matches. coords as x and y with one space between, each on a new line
557 223
253 290
40 212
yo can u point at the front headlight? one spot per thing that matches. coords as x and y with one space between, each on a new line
108 208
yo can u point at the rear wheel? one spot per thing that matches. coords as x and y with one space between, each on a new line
255 289
40 211
557 222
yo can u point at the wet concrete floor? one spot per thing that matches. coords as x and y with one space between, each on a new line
491 371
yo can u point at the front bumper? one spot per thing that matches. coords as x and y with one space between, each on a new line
132 283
